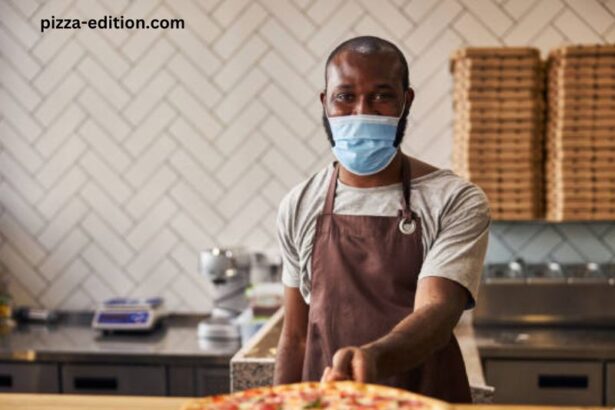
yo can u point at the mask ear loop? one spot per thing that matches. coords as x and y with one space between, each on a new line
403 109
332 140
325 104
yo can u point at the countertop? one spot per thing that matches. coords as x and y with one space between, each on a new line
72 339
15 401
73 402
545 342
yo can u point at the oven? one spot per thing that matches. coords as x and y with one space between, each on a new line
546 333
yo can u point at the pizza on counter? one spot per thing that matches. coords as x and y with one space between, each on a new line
314 395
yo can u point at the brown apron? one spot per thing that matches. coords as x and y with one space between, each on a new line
364 277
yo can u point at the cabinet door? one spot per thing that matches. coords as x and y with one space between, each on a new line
546 382
181 381
29 378
110 379
610 384
214 380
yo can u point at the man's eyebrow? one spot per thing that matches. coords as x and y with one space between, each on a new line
343 87
385 85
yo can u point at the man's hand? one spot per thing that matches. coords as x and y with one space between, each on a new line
352 363
438 305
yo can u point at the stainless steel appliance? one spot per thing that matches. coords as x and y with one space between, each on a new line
228 270
546 332
547 294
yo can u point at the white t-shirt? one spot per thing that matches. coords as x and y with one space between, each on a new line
454 216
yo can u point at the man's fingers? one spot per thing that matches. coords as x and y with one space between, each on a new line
325 375
350 363
359 367
342 360
330 375
335 376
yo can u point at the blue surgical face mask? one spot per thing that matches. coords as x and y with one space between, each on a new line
364 144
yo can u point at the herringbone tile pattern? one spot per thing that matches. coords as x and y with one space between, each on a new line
125 152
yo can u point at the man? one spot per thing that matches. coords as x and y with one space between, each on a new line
381 252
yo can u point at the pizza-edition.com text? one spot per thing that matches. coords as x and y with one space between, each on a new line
110 23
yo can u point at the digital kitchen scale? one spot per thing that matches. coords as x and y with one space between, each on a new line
128 315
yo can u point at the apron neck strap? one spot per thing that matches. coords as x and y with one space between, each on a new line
331 190
406 175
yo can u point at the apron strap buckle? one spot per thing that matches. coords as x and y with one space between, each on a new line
407 226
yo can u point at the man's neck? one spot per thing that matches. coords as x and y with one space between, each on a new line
388 176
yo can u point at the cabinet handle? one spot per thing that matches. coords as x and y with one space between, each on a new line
552 381
6 380
95 383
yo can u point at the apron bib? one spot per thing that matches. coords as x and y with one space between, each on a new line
364 277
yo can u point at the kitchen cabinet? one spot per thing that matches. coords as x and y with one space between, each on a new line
70 357
118 378
546 382
211 381
201 381
181 381
109 379
29 378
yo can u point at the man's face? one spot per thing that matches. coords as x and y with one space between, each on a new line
365 84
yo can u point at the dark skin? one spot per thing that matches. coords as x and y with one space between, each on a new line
370 84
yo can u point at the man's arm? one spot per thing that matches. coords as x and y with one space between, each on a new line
438 305
291 347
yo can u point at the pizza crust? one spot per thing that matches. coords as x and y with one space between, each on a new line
314 395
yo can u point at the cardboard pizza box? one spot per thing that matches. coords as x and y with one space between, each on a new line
578 50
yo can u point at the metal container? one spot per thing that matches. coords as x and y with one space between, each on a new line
228 270
547 294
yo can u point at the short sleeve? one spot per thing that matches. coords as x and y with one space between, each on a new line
458 251
288 249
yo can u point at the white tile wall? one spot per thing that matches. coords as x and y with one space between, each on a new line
125 152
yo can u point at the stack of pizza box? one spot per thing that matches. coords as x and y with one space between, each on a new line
499 115
580 146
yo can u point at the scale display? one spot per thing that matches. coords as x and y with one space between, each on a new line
126 314
123 317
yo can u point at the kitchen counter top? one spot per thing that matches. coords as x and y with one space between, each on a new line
72 339
74 402
545 342
15 401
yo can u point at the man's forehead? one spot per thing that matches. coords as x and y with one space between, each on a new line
383 67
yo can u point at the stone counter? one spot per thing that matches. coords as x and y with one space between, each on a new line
253 365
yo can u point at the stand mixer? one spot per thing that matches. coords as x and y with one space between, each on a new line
228 270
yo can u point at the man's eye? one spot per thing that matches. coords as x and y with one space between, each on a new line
383 96
343 97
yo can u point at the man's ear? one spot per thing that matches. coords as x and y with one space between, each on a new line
409 98
323 100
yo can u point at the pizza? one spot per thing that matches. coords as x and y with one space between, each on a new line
314 395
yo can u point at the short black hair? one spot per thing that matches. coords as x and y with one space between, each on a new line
371 45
